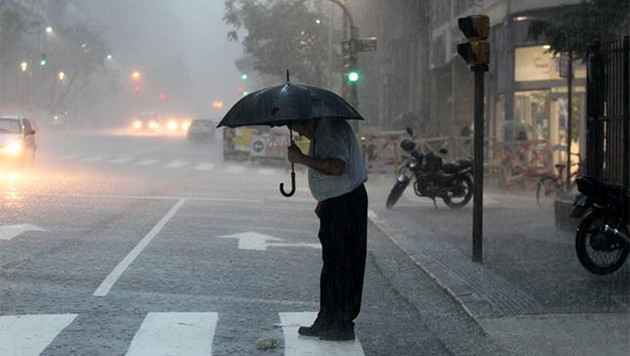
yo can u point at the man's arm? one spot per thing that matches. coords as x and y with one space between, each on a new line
330 166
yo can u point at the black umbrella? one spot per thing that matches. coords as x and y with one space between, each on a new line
283 104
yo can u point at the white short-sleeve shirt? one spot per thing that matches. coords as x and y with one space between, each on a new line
334 138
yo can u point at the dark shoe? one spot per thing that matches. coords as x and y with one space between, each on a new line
339 333
314 330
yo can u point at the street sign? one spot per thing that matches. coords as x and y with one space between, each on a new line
258 145
359 45
366 44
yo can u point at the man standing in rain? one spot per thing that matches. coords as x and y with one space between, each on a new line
336 176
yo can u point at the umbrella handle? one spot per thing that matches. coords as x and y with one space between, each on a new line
290 193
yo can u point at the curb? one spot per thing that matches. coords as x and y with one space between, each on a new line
481 293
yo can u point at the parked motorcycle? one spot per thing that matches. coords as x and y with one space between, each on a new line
602 240
452 182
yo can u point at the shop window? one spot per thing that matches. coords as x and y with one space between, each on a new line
531 116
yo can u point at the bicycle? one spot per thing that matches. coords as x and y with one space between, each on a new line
550 186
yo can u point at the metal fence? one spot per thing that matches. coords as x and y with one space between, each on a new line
608 111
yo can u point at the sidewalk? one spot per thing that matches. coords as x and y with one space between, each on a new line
530 294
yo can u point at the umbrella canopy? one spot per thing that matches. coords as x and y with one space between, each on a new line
279 105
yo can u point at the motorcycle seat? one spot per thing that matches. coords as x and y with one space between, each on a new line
457 166
452 167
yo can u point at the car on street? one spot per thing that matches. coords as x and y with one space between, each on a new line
201 129
17 141
155 123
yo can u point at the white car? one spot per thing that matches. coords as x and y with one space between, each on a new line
17 140
201 129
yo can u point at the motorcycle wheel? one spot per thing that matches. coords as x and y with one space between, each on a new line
466 184
600 252
396 193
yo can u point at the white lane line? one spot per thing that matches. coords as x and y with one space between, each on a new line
96 158
175 164
109 281
235 169
148 162
296 345
121 160
205 167
163 334
26 335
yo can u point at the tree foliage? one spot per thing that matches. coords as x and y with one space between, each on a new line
280 35
573 28
80 54
12 28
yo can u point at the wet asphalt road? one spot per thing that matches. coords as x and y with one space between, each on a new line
118 233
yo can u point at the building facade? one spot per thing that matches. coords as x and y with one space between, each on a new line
417 69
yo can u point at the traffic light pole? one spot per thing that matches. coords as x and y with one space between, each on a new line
480 71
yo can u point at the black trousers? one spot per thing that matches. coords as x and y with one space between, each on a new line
343 235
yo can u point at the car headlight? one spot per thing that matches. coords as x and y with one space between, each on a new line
186 126
137 124
14 147
172 125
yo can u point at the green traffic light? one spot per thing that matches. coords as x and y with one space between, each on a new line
353 77
244 76
42 62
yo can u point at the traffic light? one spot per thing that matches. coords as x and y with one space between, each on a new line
42 59
476 52
350 68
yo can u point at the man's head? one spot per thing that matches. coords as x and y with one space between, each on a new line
304 127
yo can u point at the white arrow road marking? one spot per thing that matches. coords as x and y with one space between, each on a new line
296 345
109 281
205 167
26 335
148 162
252 240
8 232
175 164
121 160
163 334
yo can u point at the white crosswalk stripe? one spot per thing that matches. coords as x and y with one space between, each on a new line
126 159
235 169
176 164
163 334
205 167
295 345
266 171
70 156
26 335
96 158
148 162
121 160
